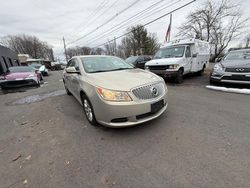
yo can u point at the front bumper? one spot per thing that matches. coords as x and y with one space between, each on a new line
18 83
166 73
125 114
228 77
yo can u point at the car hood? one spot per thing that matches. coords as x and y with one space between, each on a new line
14 76
165 61
123 80
236 63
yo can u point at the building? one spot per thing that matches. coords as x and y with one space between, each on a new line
8 58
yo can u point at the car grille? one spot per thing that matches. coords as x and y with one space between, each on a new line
239 70
158 67
236 78
145 92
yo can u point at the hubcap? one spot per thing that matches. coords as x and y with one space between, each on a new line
88 110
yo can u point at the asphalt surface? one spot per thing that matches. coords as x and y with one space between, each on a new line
201 141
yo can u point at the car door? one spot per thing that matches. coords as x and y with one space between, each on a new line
188 60
68 77
76 79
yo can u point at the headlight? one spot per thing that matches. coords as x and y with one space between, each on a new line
173 66
109 95
218 67
2 78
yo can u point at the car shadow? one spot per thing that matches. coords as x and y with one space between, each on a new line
15 90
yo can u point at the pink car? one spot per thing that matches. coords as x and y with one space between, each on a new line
21 76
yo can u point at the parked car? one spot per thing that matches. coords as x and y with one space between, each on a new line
180 57
113 93
138 61
40 67
20 76
233 68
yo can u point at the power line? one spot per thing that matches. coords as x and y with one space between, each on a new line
152 21
94 13
134 16
109 20
103 9
108 32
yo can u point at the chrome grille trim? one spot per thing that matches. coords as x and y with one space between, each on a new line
144 92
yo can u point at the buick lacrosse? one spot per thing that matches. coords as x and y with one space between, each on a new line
113 93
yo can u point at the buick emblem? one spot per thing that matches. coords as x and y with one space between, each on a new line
240 70
154 91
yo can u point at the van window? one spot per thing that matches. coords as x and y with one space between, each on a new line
170 52
188 52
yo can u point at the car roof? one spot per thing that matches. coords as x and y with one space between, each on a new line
241 50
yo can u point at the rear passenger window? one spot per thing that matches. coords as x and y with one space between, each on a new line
188 52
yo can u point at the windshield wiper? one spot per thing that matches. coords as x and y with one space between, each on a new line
100 71
122 69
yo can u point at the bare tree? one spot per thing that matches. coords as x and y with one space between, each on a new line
139 42
247 41
31 45
75 51
218 22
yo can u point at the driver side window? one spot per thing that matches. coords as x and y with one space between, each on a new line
188 52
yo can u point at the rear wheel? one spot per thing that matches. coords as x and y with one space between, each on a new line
88 110
200 73
179 77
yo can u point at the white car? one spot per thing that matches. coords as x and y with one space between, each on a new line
114 93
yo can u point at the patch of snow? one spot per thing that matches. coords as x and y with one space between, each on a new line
230 90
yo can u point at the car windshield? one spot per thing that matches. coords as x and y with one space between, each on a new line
170 52
104 64
240 55
35 65
131 59
21 69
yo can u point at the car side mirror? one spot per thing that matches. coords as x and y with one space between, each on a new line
194 55
72 70
218 59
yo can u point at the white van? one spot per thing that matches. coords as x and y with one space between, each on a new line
180 57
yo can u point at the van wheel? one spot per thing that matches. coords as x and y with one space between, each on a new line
88 110
179 77
200 73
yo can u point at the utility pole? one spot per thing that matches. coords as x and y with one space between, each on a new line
115 46
65 50
169 39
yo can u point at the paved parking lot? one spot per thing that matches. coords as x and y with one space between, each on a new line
201 141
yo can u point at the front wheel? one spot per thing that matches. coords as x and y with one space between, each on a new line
179 77
88 110
38 84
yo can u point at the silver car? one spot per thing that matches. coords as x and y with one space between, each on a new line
233 68
113 93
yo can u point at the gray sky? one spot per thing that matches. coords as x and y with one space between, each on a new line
50 20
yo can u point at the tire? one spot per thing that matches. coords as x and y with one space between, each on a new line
67 91
200 73
38 84
4 90
179 77
88 110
